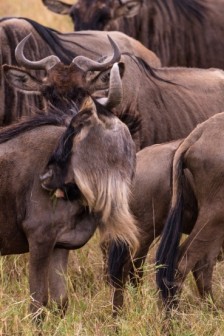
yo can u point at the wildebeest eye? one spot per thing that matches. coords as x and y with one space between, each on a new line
105 77
129 7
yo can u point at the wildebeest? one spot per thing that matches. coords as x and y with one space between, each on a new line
158 105
201 153
180 32
58 184
164 103
44 42
150 202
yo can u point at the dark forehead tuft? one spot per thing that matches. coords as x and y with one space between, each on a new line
62 153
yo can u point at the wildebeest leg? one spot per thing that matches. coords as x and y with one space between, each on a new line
199 248
133 269
221 254
119 263
202 272
39 262
57 278
119 284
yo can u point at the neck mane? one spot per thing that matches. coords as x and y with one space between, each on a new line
53 118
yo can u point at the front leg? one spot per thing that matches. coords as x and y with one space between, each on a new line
39 263
57 278
119 264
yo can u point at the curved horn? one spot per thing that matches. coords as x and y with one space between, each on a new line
44 64
87 64
115 89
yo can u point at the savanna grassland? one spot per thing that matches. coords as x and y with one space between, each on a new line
89 312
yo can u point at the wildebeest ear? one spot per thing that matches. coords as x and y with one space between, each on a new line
128 9
21 80
58 7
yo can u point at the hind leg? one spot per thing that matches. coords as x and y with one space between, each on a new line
202 272
133 269
198 253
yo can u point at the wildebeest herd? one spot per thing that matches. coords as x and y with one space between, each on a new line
101 132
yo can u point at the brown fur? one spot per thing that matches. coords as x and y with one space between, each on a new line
202 154
150 202
167 103
44 42
39 222
34 224
104 176
163 110
180 32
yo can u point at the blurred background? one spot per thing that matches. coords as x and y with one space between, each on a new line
34 9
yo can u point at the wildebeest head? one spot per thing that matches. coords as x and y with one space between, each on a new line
67 85
95 163
95 15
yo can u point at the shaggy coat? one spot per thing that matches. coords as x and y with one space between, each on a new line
157 105
95 148
44 42
150 202
180 32
202 154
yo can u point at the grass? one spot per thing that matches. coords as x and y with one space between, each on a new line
89 312
34 9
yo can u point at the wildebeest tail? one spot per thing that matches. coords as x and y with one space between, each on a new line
167 253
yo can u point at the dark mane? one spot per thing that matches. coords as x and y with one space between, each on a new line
62 153
50 36
149 71
192 9
132 120
54 118
53 38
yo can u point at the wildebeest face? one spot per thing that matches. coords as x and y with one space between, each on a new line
98 15
95 159
91 14
67 85
64 85
95 14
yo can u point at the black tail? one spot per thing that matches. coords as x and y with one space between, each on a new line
118 255
167 253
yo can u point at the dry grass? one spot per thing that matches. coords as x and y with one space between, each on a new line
89 312
34 9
